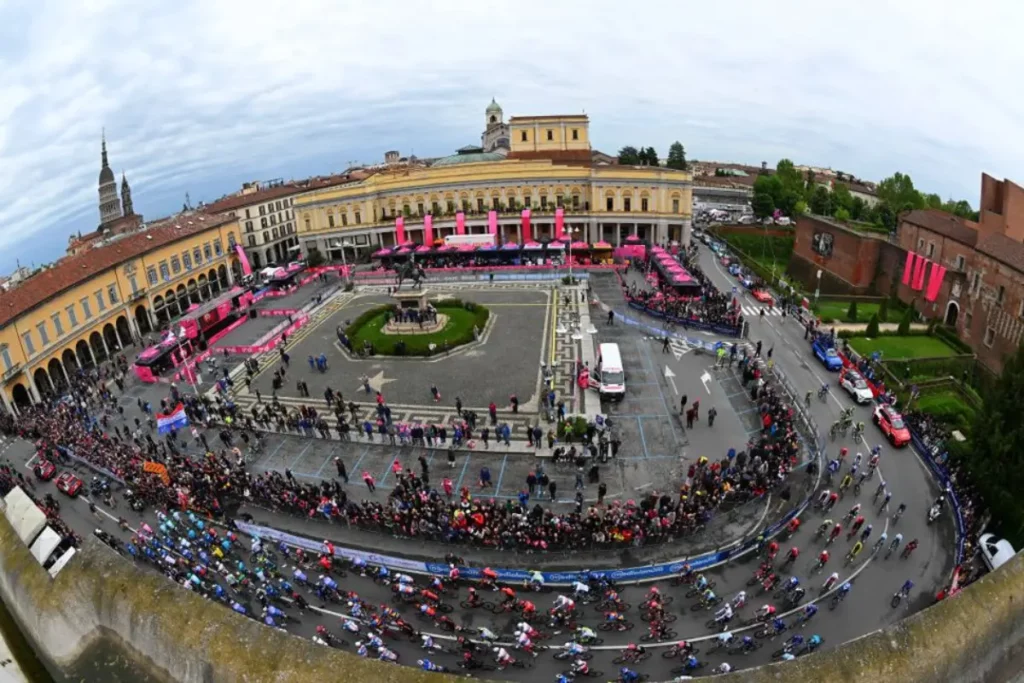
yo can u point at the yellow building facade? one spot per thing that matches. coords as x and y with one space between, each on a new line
548 167
85 308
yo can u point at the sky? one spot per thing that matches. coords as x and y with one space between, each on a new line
198 97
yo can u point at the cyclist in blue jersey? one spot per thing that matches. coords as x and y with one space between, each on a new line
627 675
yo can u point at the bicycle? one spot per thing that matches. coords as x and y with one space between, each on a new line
836 599
675 651
669 634
898 596
616 626
694 592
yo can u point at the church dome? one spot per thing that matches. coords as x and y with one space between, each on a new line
468 155
493 106
106 175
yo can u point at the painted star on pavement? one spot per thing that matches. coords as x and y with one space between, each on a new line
377 382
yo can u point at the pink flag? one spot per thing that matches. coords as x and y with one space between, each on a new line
527 235
918 264
428 230
907 267
920 273
460 223
400 230
559 223
243 259
935 284
492 222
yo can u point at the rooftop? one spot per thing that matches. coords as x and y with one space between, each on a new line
1003 249
945 224
549 117
74 270
237 201
468 155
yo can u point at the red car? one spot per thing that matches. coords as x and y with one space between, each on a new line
45 470
892 425
764 297
69 484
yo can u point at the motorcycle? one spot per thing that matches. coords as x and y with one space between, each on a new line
934 513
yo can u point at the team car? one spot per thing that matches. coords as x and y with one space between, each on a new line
45 470
855 386
69 484
892 425
735 269
827 354
763 296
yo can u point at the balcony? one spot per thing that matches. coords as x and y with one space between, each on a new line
11 372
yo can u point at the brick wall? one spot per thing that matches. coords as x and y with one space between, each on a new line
849 269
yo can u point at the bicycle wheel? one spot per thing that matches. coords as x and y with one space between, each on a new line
835 601
763 632
621 659
444 608
670 652
895 602
856 489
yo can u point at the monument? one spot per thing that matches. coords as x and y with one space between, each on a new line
413 314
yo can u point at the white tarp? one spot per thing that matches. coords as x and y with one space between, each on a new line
61 561
45 545
26 518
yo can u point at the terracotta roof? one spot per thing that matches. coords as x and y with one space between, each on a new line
1004 249
945 224
556 156
74 270
548 117
238 201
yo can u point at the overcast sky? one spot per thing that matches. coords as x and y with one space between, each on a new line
199 96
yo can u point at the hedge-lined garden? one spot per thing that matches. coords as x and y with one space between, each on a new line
463 316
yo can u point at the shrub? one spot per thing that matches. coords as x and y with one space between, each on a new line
904 327
883 310
851 313
872 330
349 286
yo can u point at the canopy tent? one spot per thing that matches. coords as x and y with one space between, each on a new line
601 245
381 252
466 247
422 250
533 245
632 238
555 245
580 245
510 246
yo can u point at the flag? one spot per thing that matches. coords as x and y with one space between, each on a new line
157 469
173 419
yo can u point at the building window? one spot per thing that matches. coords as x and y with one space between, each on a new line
968 319
643 203
278 205
273 219
551 135
920 244
100 306
112 294
134 283
263 222
543 201
359 218
330 220
273 234
959 262
248 226
175 265
247 214
609 203
30 348
263 210
1001 295
990 336
5 354
627 204
165 272
434 208
41 328
479 203
252 240
451 207
575 134
495 203
186 258
344 219
976 282
72 316
57 325
308 228
931 249
207 252
526 201
218 248
523 136
151 275
266 237
675 206
85 308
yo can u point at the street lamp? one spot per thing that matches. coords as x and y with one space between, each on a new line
817 287
572 232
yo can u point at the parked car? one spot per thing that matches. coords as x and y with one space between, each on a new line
995 551
892 425
856 386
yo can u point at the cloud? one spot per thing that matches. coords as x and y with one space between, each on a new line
197 97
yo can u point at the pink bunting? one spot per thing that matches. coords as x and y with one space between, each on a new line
907 267
428 230
400 230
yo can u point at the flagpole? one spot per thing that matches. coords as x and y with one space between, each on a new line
184 362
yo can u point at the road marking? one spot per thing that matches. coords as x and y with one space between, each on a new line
671 377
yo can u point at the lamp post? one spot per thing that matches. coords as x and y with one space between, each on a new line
817 287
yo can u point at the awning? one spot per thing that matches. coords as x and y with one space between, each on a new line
580 245
511 246
382 252
555 245
602 245
533 245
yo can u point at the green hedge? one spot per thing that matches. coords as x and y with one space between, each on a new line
950 337
463 316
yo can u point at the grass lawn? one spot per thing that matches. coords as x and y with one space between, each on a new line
768 252
831 310
946 406
914 346
457 331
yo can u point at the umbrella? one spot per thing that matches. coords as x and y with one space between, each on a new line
382 252
467 247
601 245
424 248
403 250
533 245
580 245
632 238
555 245
509 246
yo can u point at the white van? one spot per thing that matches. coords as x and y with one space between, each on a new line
611 378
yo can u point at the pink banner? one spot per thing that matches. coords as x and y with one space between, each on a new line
246 268
908 267
559 223
919 279
492 222
279 312
428 230
527 235
918 263
935 283
460 223
400 230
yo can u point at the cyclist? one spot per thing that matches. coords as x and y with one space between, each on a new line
585 634
580 667
822 559
524 643
523 627
614 617
691 663
725 639
823 497
427 642
580 590
899 512
824 526
834 534
430 666
536 581
857 524
809 612
764 612
793 553
564 604
685 573
833 498
509 598
487 634
773 550
844 590
909 549
846 483
722 668
725 614
628 675
573 649
702 581
864 534
740 600
879 543
829 582
857 460
708 597
778 625
852 514
908 585
807 399
885 501
855 550
503 658
653 595
791 584
633 652
897 539
813 642
473 598
823 391
403 578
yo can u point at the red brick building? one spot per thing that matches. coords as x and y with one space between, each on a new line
847 258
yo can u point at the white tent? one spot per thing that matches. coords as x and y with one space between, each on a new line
61 561
26 518
45 545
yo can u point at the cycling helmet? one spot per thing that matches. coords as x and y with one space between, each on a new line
624 671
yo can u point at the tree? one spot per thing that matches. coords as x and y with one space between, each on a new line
762 204
629 156
883 310
903 329
810 179
800 208
898 192
851 312
676 156
841 197
885 216
821 202
842 215
858 209
314 258
652 157
872 330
